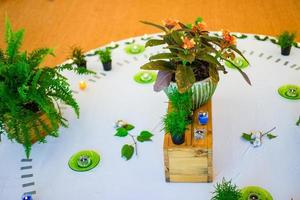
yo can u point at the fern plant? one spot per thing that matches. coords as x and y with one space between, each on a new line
29 93
104 55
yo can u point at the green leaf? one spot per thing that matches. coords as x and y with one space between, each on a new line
242 73
270 136
155 25
199 19
210 59
154 42
127 151
158 65
177 37
213 73
162 56
187 57
144 136
185 78
247 136
121 132
128 127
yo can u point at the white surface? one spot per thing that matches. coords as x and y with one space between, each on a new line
237 108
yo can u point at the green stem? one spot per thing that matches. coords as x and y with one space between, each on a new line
135 143
268 131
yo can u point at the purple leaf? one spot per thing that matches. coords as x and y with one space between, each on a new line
163 80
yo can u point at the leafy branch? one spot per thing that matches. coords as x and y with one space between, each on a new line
128 150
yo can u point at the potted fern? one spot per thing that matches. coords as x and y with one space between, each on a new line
29 92
105 57
78 57
193 60
285 41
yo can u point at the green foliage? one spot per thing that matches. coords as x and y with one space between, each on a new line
78 57
128 150
180 101
176 123
226 191
104 55
79 63
144 136
185 62
298 122
28 90
286 39
121 132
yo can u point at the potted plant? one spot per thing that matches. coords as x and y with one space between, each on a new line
285 41
194 59
78 57
179 116
175 123
105 57
29 93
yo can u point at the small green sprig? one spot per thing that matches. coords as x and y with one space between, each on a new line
298 122
226 190
128 150
255 138
104 55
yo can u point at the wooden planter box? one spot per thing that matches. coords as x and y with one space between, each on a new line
192 160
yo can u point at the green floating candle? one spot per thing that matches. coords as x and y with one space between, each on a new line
239 62
144 77
134 48
289 92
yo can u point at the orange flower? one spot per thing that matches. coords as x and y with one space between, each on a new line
229 38
202 26
170 23
187 43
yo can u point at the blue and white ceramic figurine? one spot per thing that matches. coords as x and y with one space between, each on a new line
26 197
203 118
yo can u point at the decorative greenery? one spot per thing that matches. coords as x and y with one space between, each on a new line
226 190
104 55
261 39
176 121
127 150
286 39
29 91
242 36
298 122
255 138
181 102
194 54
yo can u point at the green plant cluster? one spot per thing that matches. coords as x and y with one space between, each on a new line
176 121
194 53
286 39
28 90
104 55
226 191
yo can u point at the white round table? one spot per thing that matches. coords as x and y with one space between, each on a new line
114 95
